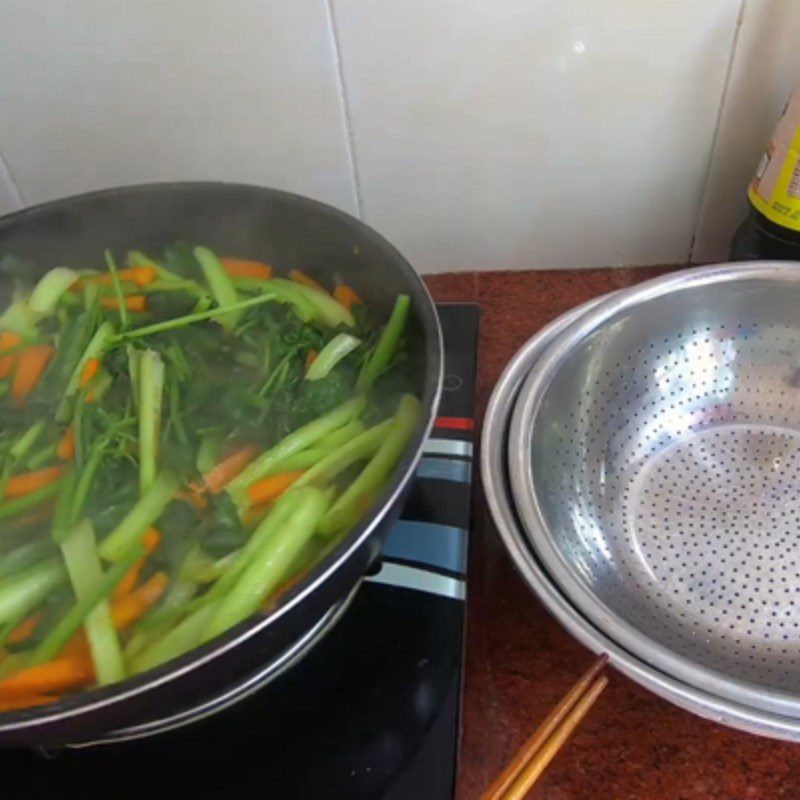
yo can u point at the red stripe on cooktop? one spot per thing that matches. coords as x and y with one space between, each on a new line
455 423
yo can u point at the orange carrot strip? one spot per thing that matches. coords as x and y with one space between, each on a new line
227 469
242 268
255 514
24 629
124 612
66 447
68 672
150 540
89 371
194 495
8 339
127 610
133 302
268 489
311 357
141 276
32 363
305 280
28 701
346 296
78 645
27 482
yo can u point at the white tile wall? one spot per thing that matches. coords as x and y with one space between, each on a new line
511 133
765 70
103 92
473 133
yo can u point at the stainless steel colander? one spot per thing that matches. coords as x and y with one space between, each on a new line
655 463
497 491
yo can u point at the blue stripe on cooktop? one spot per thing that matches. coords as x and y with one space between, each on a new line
426 543
445 469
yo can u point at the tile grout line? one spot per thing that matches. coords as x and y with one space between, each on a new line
348 124
718 125
6 173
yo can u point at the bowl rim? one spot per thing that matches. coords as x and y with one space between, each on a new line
497 491
531 396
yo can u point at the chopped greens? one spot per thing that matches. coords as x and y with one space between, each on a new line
182 438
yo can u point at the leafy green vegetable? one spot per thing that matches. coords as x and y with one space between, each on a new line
224 391
387 344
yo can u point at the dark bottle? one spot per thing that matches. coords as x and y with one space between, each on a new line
772 227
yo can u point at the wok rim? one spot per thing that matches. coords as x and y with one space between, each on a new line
90 701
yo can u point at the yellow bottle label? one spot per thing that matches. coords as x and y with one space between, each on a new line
775 189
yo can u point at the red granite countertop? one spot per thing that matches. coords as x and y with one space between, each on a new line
519 661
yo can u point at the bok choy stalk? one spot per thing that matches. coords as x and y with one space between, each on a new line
95 349
25 590
328 310
75 617
387 345
378 469
86 574
49 289
151 390
296 441
146 511
269 565
220 284
358 448
337 348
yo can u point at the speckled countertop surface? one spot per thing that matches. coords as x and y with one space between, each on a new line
519 661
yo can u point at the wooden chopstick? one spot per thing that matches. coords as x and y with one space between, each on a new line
538 751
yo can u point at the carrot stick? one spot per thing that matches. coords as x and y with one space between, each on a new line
151 540
227 469
25 629
124 612
141 276
268 489
8 339
306 280
242 268
133 302
66 672
346 296
311 357
255 514
127 610
89 371
27 482
66 447
78 645
29 701
32 363
194 495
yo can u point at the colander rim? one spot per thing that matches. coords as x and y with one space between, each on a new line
493 458
530 398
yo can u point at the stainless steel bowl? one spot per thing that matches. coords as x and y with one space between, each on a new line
497 489
655 464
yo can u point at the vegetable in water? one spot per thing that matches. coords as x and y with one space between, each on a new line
183 439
